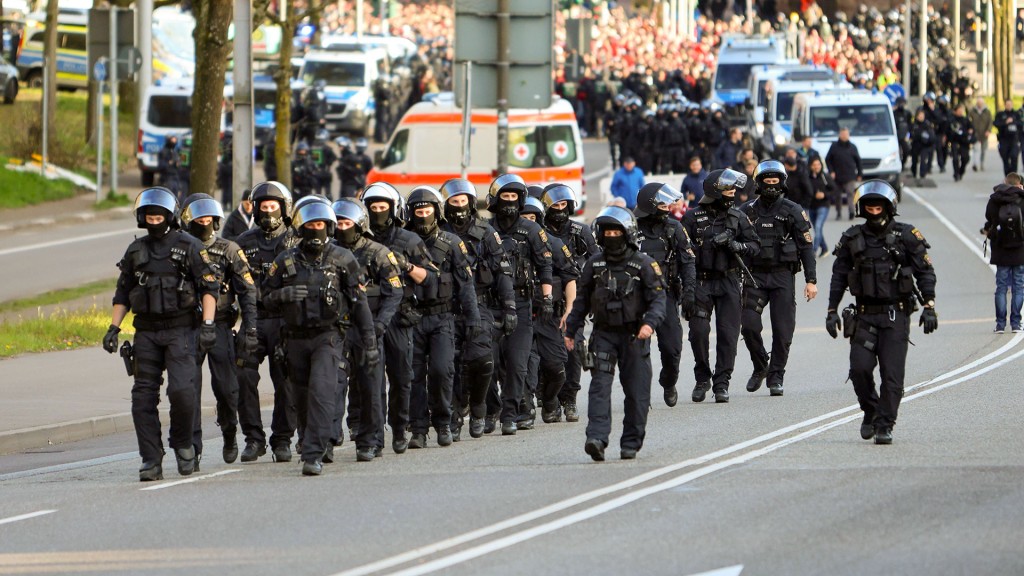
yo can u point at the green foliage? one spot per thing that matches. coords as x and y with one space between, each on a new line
61 330
113 201
59 296
19 189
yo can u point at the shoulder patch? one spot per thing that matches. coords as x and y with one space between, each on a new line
248 278
205 255
209 278
547 254
543 235
928 259
273 269
917 234
807 237
565 250
395 282
497 238
241 254
804 214
657 269
392 259
462 246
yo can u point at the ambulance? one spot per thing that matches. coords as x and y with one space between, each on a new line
426 147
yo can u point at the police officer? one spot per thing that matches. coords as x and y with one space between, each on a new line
721 235
385 210
1010 126
961 136
665 240
201 216
167 165
353 168
304 172
315 286
270 157
272 204
323 158
526 245
786 243
433 357
383 282
492 273
164 276
185 167
625 291
382 109
879 262
546 372
559 204
225 174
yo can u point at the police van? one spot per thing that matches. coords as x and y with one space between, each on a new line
165 110
780 92
869 117
72 56
349 78
737 56
426 147
759 77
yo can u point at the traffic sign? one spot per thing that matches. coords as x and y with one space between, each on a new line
99 70
894 91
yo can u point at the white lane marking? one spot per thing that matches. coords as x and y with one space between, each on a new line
620 501
189 480
972 245
729 571
454 541
74 240
599 174
25 516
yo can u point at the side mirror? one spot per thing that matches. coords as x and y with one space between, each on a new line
378 157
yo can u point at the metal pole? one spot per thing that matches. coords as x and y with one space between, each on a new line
956 34
241 117
922 50
907 46
113 100
989 78
503 67
99 142
359 19
384 8
977 28
46 128
144 41
467 115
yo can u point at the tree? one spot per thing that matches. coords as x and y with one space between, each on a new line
213 17
1002 48
50 68
288 19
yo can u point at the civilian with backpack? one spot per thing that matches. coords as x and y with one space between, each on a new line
1005 232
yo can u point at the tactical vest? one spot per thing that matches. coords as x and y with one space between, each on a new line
221 264
163 285
437 299
710 258
483 274
778 248
574 240
325 304
367 254
517 247
261 255
878 272
662 249
617 300
403 242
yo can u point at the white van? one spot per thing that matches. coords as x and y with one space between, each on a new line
737 56
759 77
426 147
870 120
165 110
780 92
349 78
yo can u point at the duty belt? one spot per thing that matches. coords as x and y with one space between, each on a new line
880 308
441 308
631 328
715 275
302 332
524 292
772 268
186 319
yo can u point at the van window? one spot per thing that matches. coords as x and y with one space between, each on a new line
784 106
541 146
732 76
398 151
264 99
334 73
170 111
762 93
863 120
72 41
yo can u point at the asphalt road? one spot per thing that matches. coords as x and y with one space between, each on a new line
760 486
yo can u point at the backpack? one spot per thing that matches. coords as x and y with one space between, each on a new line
1009 230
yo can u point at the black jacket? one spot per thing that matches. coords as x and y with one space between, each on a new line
822 183
843 160
798 185
1002 194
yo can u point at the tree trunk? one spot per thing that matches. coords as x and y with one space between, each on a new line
212 47
283 107
50 69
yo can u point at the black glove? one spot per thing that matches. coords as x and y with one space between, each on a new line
293 293
930 320
379 329
207 337
110 339
511 320
833 324
371 357
688 304
474 331
403 262
722 238
547 309
737 247
247 342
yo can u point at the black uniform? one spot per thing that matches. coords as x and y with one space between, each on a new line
922 148
305 179
314 330
261 249
237 294
163 282
623 295
718 289
352 170
1010 128
960 136
546 374
666 241
433 357
879 268
526 245
786 243
367 395
168 168
323 158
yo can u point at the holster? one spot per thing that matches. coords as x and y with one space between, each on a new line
849 321
586 356
128 355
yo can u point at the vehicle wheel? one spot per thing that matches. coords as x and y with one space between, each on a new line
35 79
147 178
10 92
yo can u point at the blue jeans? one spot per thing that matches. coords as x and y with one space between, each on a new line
1009 278
818 217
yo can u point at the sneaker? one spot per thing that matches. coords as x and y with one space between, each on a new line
490 424
999 330
1017 329
418 442
571 412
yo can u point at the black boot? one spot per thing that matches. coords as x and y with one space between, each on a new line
883 435
282 453
571 412
230 451
595 448
186 458
700 391
671 396
476 427
756 379
150 471
253 451
444 435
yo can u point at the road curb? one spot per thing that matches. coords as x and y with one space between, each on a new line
67 218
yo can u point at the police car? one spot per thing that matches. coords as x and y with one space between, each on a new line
348 77
165 110
737 56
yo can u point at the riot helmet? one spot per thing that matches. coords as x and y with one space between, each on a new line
876 193
556 193
315 239
506 183
459 216
278 192
770 169
720 181
349 209
421 197
305 200
199 206
533 207
651 196
534 191
616 218
156 201
361 145
383 192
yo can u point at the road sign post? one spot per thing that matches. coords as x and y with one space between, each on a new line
99 74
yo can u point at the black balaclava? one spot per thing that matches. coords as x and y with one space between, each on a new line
380 221
459 216
347 237
423 225
879 222
507 212
158 231
314 241
557 218
615 247
725 202
203 232
269 221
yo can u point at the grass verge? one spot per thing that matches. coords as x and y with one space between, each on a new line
19 189
113 201
58 296
61 330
